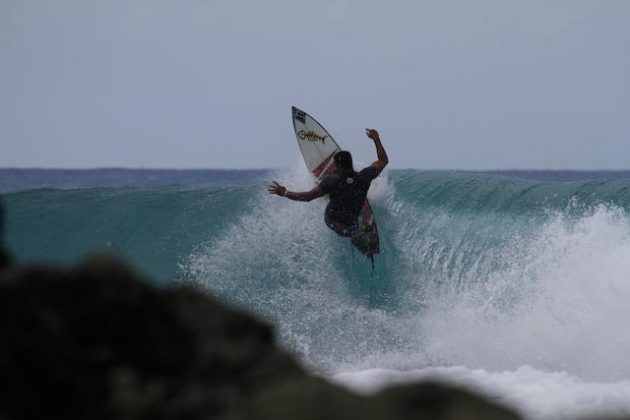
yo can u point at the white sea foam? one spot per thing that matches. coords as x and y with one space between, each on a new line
534 393
569 299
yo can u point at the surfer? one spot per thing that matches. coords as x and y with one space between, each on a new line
346 189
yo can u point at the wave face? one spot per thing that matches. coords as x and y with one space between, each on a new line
482 271
477 270
155 228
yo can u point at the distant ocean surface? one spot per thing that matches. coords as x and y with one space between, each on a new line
515 284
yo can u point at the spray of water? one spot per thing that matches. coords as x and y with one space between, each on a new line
480 290
559 303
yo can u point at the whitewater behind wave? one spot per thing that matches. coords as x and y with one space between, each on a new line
522 300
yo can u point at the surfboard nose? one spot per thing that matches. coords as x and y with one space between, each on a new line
294 110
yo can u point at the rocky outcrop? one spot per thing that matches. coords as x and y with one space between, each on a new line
95 339
97 342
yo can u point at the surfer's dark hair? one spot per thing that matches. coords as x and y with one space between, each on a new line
344 159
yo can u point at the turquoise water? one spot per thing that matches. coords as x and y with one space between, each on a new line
447 218
154 228
495 278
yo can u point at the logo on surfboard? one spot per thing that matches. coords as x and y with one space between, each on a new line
300 116
311 136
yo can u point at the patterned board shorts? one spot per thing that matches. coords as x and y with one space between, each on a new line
341 229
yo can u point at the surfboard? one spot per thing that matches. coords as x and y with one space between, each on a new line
318 149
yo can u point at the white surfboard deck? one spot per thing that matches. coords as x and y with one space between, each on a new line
316 144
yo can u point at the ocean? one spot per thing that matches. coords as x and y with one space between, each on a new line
514 284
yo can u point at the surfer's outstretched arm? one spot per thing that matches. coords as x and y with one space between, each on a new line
275 188
380 150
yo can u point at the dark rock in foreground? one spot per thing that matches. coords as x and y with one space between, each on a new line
4 257
95 342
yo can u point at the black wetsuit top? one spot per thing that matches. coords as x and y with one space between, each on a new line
347 193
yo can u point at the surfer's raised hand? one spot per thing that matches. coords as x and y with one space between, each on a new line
380 151
275 188
372 133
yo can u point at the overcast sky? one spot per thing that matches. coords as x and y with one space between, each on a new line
210 83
